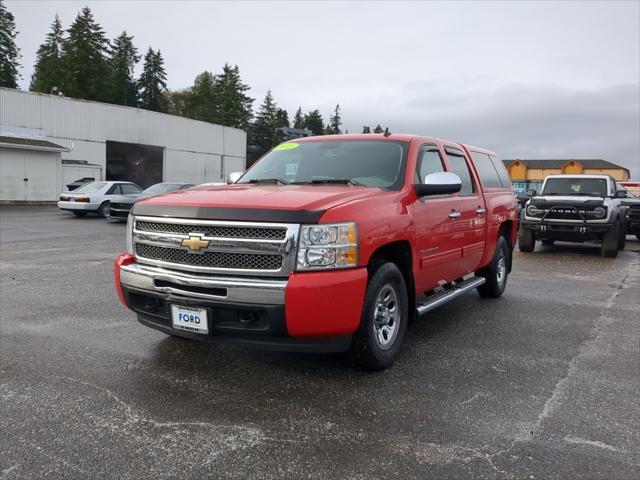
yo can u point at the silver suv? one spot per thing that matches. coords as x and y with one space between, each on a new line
575 208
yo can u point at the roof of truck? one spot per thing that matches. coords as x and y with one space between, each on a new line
398 137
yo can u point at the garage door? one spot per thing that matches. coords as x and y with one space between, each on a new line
29 175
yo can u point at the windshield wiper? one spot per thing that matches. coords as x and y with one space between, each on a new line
342 181
275 180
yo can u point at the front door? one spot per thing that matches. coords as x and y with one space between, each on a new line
436 228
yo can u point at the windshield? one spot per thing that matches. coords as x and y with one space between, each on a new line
92 187
163 187
576 186
369 163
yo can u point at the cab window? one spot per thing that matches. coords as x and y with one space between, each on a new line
429 161
486 170
458 165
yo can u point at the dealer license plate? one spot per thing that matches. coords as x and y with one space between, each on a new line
189 319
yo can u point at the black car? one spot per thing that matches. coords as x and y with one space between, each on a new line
121 206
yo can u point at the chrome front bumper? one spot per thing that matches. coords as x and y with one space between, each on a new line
224 289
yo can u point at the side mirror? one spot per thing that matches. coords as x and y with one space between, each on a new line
234 177
621 194
439 183
531 192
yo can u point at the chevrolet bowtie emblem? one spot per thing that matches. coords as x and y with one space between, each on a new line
195 243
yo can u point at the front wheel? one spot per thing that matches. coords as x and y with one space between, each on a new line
611 241
103 211
526 240
496 273
384 318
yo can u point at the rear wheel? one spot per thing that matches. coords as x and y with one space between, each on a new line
638 236
497 272
384 318
103 211
78 213
611 241
526 240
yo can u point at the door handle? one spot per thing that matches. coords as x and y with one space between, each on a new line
454 214
480 211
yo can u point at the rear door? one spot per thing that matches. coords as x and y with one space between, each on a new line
468 212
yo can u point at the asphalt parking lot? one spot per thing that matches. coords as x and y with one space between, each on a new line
542 383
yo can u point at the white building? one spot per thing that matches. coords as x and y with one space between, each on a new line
48 141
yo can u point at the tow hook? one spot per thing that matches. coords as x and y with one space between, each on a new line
583 229
543 228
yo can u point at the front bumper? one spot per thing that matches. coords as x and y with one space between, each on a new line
311 311
119 211
567 231
64 205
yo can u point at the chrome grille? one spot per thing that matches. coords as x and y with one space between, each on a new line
220 231
212 246
237 261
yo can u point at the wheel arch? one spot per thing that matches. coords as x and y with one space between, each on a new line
400 253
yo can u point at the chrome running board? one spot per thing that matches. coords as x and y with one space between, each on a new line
426 303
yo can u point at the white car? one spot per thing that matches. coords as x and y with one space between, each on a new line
94 197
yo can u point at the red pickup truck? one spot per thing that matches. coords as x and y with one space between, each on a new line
328 243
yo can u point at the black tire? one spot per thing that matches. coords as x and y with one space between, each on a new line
526 240
548 242
638 236
610 241
79 213
368 348
497 273
103 211
622 239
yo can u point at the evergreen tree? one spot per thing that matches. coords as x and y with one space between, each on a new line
202 103
84 59
335 121
313 121
265 124
153 81
298 120
176 102
282 118
123 89
48 70
9 52
366 129
378 129
233 106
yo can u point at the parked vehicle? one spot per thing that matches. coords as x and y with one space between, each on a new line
631 203
78 183
575 208
94 197
326 244
120 205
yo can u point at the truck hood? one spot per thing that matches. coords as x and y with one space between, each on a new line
276 203
578 199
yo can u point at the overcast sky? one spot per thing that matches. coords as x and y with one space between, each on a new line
526 79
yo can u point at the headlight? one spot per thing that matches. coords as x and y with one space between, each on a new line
328 246
599 212
130 234
533 210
